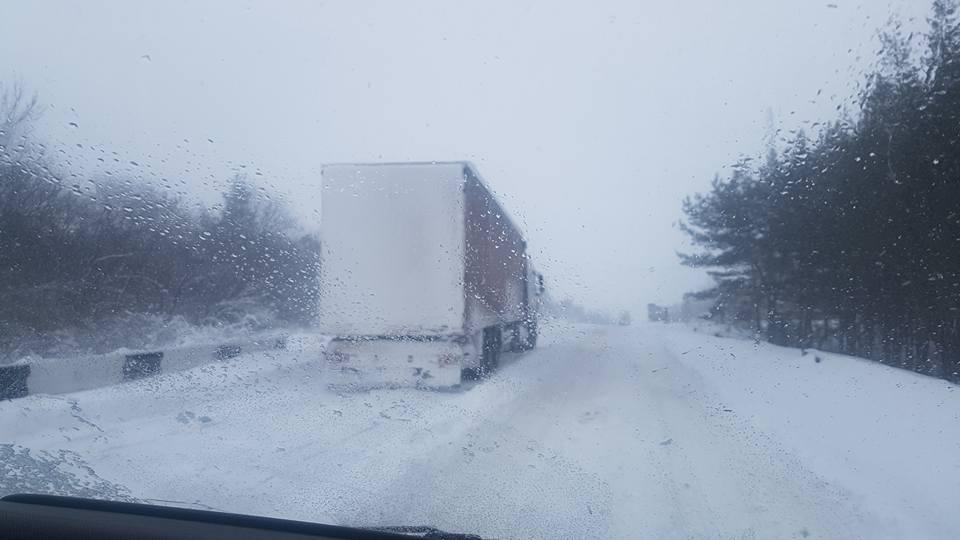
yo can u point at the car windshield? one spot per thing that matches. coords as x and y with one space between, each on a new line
606 269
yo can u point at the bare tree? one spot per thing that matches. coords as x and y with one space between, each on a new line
18 110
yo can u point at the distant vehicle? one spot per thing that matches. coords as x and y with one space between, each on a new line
624 319
657 313
424 277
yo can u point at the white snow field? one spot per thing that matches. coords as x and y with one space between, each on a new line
648 431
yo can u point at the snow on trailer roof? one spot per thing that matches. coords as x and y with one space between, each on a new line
469 168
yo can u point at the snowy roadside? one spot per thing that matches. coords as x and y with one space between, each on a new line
220 434
887 436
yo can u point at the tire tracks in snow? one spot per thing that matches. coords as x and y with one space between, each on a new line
749 485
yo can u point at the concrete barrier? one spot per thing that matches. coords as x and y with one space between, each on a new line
13 381
140 365
60 376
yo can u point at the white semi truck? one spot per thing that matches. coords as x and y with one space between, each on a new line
424 278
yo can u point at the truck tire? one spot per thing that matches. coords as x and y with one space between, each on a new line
529 341
518 342
492 343
532 332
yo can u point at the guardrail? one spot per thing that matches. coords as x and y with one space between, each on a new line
60 376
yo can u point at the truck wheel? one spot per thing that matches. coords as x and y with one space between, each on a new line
517 342
470 374
492 342
530 342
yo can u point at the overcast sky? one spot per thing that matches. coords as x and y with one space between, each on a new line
591 120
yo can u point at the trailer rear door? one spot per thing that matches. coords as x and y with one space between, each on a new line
392 253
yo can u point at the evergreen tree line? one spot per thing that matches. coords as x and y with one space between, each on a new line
850 240
77 253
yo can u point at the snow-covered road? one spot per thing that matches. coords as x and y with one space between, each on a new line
650 431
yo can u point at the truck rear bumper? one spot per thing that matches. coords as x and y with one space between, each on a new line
377 362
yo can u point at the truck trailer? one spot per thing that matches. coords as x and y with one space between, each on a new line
424 278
